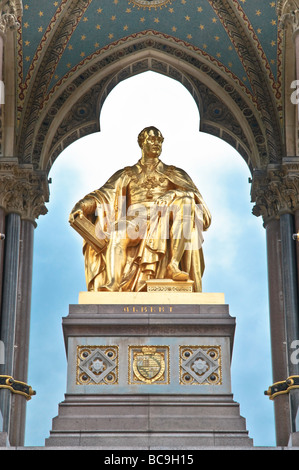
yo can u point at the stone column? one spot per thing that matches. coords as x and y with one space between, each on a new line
9 13
9 305
290 288
23 196
8 22
277 326
276 194
2 244
22 330
297 244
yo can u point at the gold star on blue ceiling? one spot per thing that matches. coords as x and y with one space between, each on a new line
192 21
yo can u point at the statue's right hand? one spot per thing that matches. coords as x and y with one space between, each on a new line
73 215
84 207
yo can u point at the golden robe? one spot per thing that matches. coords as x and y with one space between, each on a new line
151 254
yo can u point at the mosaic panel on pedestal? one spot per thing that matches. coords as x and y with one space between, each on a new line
149 365
200 365
97 365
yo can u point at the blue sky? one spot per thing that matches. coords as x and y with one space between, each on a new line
234 246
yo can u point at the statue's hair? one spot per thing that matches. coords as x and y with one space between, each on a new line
145 131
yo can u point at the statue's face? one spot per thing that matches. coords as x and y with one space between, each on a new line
152 144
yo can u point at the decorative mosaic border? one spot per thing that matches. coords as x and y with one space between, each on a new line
143 34
276 84
23 86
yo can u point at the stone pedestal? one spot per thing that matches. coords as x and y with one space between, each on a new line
149 370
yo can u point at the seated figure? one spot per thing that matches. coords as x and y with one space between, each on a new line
149 218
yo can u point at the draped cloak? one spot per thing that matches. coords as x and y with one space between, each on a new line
151 253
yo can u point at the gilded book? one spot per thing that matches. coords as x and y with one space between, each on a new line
87 230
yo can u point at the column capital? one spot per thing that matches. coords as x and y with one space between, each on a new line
288 13
275 190
10 11
24 190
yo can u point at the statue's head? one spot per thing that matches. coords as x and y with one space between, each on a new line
146 132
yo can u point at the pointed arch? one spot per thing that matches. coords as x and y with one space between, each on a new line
226 108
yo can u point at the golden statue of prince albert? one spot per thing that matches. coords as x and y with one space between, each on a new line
145 223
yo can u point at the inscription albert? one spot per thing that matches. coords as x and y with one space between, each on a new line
148 309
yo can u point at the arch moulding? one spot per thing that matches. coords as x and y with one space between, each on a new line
226 107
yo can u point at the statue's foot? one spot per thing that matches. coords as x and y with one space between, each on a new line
174 273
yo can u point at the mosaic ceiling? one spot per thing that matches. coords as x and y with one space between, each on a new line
66 44
105 22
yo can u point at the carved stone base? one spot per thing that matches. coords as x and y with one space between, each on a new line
144 374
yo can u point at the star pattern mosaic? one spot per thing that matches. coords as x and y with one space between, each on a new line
263 18
37 15
107 21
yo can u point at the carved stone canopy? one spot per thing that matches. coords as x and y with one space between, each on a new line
23 190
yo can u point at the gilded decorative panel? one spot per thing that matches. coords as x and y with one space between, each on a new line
148 365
